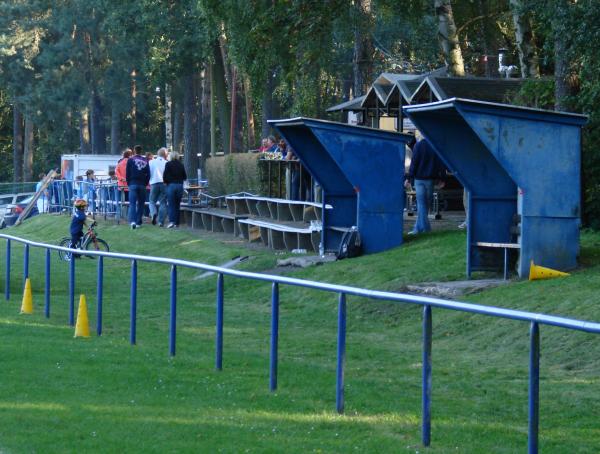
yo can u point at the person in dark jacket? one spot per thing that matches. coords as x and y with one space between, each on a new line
174 176
425 169
138 177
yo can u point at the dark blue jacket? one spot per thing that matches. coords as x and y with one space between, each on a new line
425 165
77 221
137 171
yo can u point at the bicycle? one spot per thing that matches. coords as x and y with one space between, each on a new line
89 242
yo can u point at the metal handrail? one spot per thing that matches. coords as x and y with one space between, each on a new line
535 319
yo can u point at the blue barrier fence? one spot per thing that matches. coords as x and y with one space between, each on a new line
428 303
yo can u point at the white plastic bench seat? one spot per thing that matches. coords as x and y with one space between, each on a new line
505 246
276 209
498 245
213 220
288 235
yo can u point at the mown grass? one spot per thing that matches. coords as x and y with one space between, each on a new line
62 394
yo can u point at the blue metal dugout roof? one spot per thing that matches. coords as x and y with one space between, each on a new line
512 160
361 171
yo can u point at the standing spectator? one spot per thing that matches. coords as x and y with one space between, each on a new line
300 184
263 146
138 177
158 192
173 177
121 171
89 189
43 200
271 144
425 169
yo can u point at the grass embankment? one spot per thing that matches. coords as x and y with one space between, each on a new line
62 394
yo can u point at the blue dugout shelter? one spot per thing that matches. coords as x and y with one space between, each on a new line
361 172
522 168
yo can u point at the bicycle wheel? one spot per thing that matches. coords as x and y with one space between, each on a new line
97 244
65 256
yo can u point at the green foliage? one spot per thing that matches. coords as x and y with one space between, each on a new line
6 170
537 93
237 172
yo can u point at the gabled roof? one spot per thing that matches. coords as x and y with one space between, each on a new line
353 104
479 88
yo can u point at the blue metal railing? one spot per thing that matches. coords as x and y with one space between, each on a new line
428 303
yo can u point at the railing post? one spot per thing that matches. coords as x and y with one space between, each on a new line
25 264
274 336
426 391
219 340
99 294
341 354
173 318
7 276
72 290
47 288
133 302
534 387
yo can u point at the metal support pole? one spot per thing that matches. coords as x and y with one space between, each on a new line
274 335
7 276
534 388
505 263
426 392
133 302
47 288
100 284
219 340
25 264
173 318
341 354
72 290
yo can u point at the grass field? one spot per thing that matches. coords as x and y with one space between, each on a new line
60 394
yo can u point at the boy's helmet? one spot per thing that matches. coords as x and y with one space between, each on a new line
80 203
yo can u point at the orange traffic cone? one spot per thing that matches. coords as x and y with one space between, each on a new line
82 327
541 272
27 304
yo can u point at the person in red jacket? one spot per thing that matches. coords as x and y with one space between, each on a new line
121 172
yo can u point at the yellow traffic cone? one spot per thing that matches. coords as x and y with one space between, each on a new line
82 327
541 272
27 305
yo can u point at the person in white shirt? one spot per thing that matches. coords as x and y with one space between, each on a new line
158 192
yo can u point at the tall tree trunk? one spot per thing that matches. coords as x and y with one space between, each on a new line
28 150
115 129
177 123
205 120
189 122
249 112
233 123
134 106
168 118
213 112
528 57
98 127
221 96
363 47
84 131
267 103
448 38
17 145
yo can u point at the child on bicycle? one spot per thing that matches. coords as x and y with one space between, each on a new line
78 221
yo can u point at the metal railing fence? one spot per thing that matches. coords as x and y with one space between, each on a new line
428 303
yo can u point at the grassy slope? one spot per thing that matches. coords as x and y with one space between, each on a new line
58 393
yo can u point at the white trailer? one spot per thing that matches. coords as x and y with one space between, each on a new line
75 165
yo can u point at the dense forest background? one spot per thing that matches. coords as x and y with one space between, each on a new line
204 76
